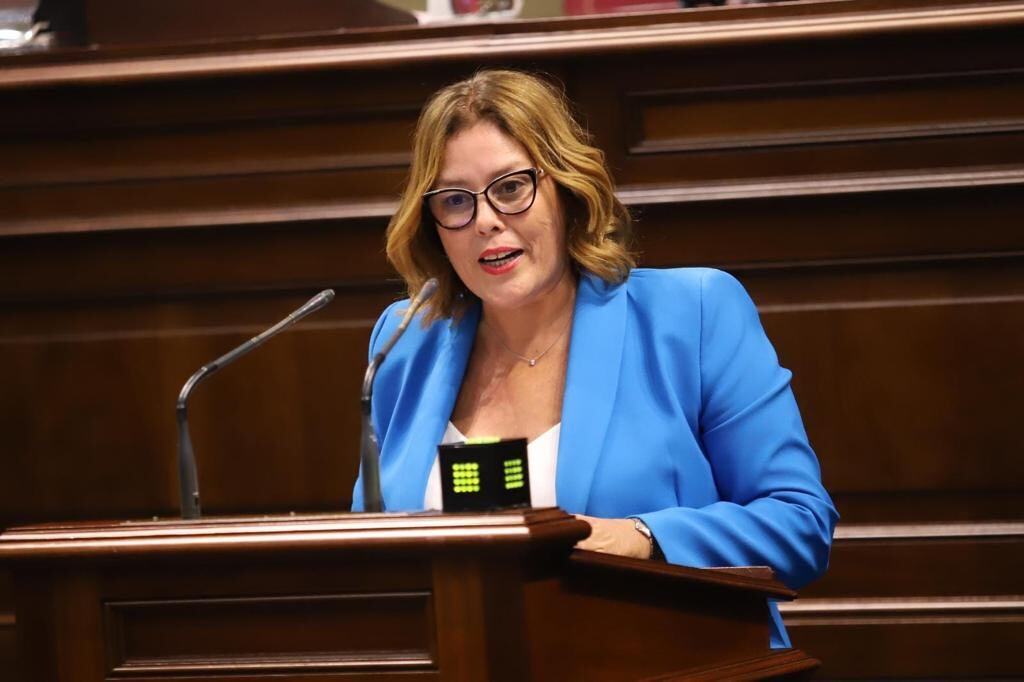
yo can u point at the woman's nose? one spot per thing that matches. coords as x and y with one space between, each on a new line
487 219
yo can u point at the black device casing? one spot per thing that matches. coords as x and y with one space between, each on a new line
484 476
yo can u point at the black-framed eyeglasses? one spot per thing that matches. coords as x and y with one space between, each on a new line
454 207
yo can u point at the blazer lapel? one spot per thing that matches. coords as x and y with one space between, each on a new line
437 396
591 382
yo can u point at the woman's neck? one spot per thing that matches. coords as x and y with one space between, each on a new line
532 328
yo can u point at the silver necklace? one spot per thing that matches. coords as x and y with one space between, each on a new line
532 362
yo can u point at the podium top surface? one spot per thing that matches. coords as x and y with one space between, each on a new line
420 531
290 531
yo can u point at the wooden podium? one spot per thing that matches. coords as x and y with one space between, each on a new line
499 596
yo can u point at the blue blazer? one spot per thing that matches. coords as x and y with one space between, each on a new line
675 411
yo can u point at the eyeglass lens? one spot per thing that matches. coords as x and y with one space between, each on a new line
509 194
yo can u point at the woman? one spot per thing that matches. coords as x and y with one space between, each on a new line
653 402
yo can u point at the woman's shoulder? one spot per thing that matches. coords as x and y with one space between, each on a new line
416 334
386 324
699 285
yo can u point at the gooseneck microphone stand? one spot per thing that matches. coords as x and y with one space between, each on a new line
186 458
369 448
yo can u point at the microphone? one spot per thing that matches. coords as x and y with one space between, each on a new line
186 459
369 448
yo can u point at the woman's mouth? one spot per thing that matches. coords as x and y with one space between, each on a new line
499 261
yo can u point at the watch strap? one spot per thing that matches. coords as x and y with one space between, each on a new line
645 530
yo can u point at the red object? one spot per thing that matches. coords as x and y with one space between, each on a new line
465 6
577 7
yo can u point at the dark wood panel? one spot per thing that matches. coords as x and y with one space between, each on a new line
771 111
781 664
968 280
198 201
825 159
832 111
360 141
181 576
894 382
151 106
915 506
983 646
856 229
194 267
8 634
263 441
926 600
578 626
293 634
278 576
933 560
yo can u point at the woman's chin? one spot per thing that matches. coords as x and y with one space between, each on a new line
503 302
507 297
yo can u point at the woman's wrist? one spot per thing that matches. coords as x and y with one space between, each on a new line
654 551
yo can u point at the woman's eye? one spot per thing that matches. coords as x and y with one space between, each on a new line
455 200
510 186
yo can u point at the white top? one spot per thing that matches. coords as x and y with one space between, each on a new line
542 456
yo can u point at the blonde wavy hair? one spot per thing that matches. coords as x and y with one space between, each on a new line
536 114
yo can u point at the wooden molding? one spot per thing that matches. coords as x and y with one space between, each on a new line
847 533
276 533
904 610
731 577
380 209
862 183
530 42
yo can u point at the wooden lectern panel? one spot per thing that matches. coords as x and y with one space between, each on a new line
499 596
293 631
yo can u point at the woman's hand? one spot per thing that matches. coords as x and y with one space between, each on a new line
615 536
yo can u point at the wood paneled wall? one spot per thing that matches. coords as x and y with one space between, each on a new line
858 165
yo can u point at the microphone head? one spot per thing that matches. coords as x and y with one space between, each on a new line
428 289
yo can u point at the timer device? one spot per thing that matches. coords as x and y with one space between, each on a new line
483 474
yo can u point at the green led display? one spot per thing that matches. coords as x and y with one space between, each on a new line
484 475
466 477
514 474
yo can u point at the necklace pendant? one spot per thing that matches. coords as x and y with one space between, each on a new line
533 363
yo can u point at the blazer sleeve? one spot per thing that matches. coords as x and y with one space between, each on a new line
773 509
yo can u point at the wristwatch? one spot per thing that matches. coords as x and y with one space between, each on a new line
644 530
